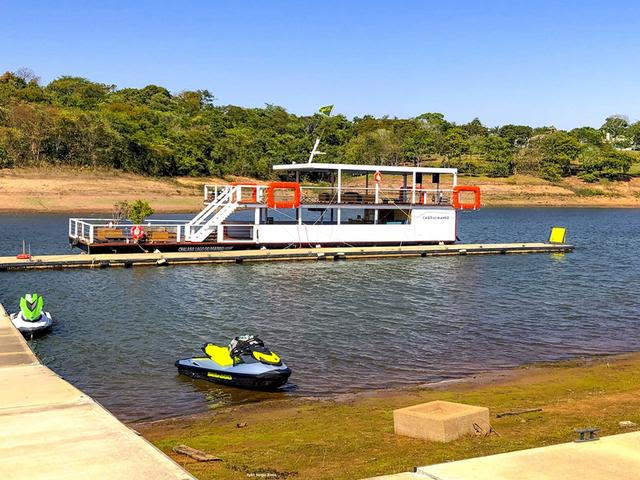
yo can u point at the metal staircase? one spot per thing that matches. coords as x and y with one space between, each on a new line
207 221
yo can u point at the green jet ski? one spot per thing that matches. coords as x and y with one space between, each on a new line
245 362
32 319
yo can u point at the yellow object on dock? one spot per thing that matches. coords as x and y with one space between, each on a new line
265 255
50 429
558 235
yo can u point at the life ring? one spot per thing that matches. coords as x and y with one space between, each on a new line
273 186
455 197
377 177
254 191
137 232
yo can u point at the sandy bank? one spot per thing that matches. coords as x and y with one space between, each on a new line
62 190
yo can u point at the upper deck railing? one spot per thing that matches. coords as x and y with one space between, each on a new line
256 194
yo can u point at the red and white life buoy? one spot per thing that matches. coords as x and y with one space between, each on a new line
377 177
137 232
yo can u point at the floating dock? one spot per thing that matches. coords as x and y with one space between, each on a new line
50 429
265 255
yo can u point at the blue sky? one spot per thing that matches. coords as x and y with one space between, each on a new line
562 63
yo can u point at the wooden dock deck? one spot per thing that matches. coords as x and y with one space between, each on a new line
49 429
265 255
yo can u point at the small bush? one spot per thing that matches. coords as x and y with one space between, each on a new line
589 192
589 177
120 211
139 210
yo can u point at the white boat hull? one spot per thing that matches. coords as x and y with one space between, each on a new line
30 328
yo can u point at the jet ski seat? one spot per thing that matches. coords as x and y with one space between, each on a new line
218 354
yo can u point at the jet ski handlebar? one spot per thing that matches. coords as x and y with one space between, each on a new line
241 345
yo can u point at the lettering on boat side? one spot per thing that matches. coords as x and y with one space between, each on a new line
435 217
203 249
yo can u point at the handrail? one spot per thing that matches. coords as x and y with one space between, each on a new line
340 195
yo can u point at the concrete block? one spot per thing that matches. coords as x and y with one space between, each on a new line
440 421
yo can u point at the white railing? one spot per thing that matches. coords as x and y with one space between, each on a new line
214 213
256 194
104 230
373 196
247 193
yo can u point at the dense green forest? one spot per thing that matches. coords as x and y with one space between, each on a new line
75 122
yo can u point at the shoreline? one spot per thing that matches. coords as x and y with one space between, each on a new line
355 430
94 192
480 378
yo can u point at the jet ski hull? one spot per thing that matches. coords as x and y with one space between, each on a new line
253 375
27 328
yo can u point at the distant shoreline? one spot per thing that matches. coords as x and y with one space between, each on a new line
94 192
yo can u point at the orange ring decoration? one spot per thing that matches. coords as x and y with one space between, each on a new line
455 197
254 191
273 186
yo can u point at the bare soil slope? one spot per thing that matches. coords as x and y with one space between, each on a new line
63 190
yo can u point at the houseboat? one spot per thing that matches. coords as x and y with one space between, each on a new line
322 205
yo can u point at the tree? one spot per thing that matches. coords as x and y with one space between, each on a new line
499 154
78 91
516 135
475 127
550 155
139 210
587 135
634 135
606 162
614 127
434 121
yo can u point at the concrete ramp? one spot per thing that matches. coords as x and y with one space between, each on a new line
613 457
51 430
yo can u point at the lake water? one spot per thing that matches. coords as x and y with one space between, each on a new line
341 327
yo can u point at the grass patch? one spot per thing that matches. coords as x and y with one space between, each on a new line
354 438
590 192
634 170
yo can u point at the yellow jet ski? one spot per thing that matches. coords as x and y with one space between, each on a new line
245 362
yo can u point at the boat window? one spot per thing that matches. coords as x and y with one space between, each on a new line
282 216
319 216
362 216
394 216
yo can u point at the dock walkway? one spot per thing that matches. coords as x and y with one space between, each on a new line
265 255
51 430
611 457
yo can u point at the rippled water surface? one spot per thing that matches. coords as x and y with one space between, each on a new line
341 327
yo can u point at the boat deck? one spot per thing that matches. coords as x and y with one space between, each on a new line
50 429
264 255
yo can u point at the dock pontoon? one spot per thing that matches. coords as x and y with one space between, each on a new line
344 205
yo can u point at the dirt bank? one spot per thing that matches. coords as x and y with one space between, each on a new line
351 436
63 190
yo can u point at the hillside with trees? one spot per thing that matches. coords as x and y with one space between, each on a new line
75 122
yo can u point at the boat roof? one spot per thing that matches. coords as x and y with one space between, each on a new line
345 167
